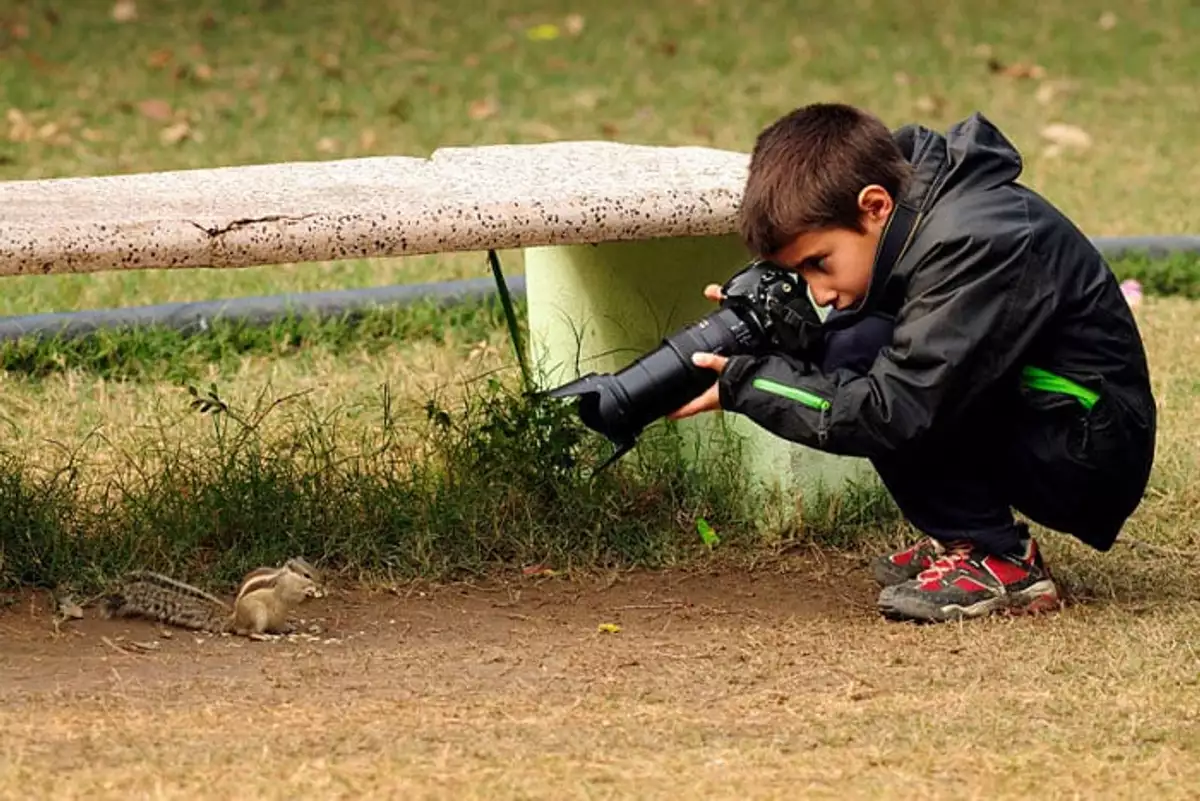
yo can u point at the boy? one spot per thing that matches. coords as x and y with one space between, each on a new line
979 352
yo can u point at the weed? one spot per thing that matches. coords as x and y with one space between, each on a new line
501 479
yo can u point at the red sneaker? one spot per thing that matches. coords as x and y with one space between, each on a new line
906 565
967 582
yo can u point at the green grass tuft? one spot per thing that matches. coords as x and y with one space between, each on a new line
156 353
502 479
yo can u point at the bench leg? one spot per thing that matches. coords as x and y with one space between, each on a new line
599 307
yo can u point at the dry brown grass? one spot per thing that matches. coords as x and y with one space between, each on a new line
50 418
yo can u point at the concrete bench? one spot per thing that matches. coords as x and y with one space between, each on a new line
618 240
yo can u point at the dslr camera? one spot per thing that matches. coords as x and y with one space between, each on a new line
763 308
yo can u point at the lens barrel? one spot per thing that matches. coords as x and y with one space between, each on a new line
621 404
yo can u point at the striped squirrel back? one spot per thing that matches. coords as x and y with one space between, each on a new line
158 597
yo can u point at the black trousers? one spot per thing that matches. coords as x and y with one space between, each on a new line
1072 470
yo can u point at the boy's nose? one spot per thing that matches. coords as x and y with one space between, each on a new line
823 296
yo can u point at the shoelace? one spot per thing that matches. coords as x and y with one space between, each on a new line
952 554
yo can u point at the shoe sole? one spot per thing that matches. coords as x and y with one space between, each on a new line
1038 598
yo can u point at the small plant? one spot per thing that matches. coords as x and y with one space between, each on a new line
501 479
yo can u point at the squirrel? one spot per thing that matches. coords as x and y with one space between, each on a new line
265 597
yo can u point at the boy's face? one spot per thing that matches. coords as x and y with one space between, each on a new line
837 263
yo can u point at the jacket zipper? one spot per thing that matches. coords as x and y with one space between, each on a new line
801 396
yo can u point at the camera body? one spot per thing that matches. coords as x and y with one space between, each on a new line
763 308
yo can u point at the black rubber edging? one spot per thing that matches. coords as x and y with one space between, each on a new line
197 317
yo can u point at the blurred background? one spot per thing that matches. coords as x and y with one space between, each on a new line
1100 97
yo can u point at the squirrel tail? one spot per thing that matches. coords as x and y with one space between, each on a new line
158 597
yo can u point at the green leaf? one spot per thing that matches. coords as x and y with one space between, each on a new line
707 534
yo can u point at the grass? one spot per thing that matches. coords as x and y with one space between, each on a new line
86 94
165 354
286 80
496 481
398 446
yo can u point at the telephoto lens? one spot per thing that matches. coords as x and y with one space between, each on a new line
762 306
622 404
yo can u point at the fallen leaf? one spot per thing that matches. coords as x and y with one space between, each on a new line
1107 21
587 98
668 48
367 139
152 109
327 145
608 628
609 129
471 60
482 109
1046 93
91 135
1017 70
331 64
573 24
541 130
1065 135
901 78
20 129
159 59
538 570
203 72
542 33
18 30
930 104
174 134
124 11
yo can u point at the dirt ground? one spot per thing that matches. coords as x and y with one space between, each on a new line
779 682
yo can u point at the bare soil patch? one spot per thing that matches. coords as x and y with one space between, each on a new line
779 682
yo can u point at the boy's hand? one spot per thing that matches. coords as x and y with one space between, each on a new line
711 399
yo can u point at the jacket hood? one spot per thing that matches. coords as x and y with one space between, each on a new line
971 153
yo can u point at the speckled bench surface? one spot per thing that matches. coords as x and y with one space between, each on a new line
460 199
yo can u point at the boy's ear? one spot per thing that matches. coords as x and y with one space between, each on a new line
875 203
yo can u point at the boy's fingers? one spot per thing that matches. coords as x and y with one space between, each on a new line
709 360
713 292
695 406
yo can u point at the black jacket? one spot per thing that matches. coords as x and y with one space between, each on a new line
993 280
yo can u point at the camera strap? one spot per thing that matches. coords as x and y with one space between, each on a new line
801 332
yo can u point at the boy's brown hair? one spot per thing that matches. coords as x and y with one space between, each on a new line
807 169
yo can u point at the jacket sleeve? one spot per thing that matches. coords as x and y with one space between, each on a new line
974 306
